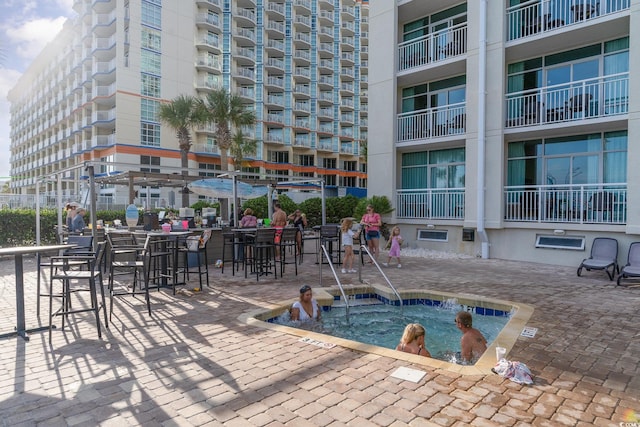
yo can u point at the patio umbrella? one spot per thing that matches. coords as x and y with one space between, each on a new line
223 188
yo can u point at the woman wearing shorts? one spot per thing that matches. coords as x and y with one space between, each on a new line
372 223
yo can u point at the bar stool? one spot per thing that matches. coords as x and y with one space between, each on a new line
289 240
228 245
127 257
264 252
161 259
60 270
196 246
330 237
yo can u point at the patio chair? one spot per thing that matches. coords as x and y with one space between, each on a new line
604 256
289 240
70 280
632 268
194 254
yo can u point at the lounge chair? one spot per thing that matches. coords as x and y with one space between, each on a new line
604 255
632 269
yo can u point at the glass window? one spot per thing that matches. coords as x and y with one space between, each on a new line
150 134
434 169
149 110
150 62
578 159
151 14
151 39
415 29
150 86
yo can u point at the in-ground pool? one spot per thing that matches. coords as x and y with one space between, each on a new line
329 298
382 324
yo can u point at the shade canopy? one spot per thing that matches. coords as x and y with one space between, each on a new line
223 188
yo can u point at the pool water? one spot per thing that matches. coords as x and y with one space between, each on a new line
383 325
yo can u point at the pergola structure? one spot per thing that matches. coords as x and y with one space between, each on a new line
132 178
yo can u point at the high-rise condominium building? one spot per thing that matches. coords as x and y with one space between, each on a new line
509 125
94 93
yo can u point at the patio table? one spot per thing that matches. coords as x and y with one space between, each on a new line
18 252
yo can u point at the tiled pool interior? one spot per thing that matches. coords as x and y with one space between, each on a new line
376 294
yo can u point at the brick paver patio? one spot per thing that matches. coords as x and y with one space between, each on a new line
194 363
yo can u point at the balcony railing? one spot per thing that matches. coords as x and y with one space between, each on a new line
579 100
587 203
432 122
434 47
539 16
430 203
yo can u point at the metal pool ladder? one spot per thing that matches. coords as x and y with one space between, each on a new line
325 254
366 250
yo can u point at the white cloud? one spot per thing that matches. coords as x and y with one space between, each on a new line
32 36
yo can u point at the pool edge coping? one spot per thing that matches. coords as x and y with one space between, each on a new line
506 338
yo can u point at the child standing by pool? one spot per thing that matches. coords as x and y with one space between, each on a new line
347 243
394 251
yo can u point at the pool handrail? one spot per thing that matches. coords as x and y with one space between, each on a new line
325 254
395 291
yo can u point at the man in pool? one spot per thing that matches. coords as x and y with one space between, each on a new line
472 343
307 308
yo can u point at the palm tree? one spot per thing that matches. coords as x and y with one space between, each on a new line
240 147
228 113
183 114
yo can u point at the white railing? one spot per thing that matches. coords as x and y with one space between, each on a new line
434 47
579 100
430 203
584 203
432 122
539 16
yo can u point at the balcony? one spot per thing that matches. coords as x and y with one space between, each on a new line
540 16
302 141
209 21
304 72
275 26
275 118
431 48
304 107
277 8
275 44
273 138
244 75
577 204
273 81
241 54
432 123
303 39
302 4
431 203
205 148
326 15
246 16
245 33
275 63
576 101
302 21
211 3
276 100
209 63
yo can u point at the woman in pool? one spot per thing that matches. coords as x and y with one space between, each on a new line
307 308
412 340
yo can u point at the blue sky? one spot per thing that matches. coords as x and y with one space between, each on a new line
26 26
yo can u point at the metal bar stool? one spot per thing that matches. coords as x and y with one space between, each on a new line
61 270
